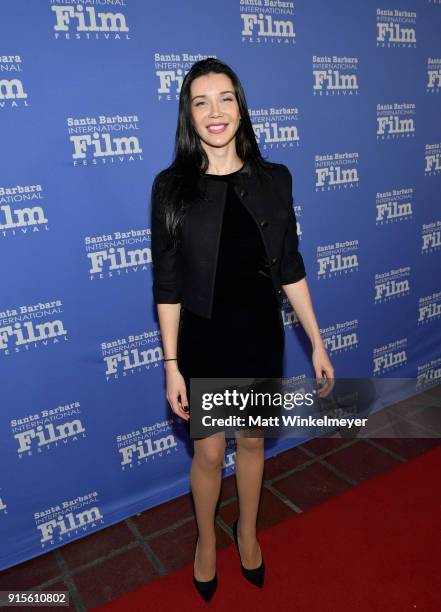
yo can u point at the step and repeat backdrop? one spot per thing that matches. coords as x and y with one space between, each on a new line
346 94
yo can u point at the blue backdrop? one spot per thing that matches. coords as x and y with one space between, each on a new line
347 94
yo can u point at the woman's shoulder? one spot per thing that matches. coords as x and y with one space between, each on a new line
164 182
278 171
282 169
164 176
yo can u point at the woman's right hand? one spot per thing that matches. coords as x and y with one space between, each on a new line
176 387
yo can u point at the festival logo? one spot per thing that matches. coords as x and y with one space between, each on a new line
395 121
429 308
73 21
428 374
432 159
69 519
391 284
132 354
12 89
47 430
394 206
267 23
431 237
276 128
170 70
389 357
433 75
31 326
336 171
335 76
150 443
19 212
337 259
396 28
3 506
289 315
99 140
341 337
118 253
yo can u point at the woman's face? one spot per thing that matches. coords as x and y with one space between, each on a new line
214 109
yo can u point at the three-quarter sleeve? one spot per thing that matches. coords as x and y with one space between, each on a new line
167 271
292 266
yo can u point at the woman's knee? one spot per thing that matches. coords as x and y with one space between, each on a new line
250 444
210 453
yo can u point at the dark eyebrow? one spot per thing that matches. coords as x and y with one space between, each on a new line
204 96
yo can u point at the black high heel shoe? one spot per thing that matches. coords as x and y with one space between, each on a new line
205 588
255 576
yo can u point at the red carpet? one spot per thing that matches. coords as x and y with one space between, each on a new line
376 547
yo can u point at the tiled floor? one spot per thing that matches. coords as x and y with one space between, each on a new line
160 540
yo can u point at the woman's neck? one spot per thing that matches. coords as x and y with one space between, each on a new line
225 169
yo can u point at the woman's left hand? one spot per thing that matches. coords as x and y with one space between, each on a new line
323 367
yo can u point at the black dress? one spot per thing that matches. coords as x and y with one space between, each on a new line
245 336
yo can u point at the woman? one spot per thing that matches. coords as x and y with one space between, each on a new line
217 287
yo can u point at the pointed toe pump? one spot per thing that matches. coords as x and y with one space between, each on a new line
206 588
255 576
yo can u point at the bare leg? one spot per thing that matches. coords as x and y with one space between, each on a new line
205 479
249 472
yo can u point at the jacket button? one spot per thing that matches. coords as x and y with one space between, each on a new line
263 223
274 260
279 291
243 193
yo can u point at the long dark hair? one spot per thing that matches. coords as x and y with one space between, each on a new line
177 186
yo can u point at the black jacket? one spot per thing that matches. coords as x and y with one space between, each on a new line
187 275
